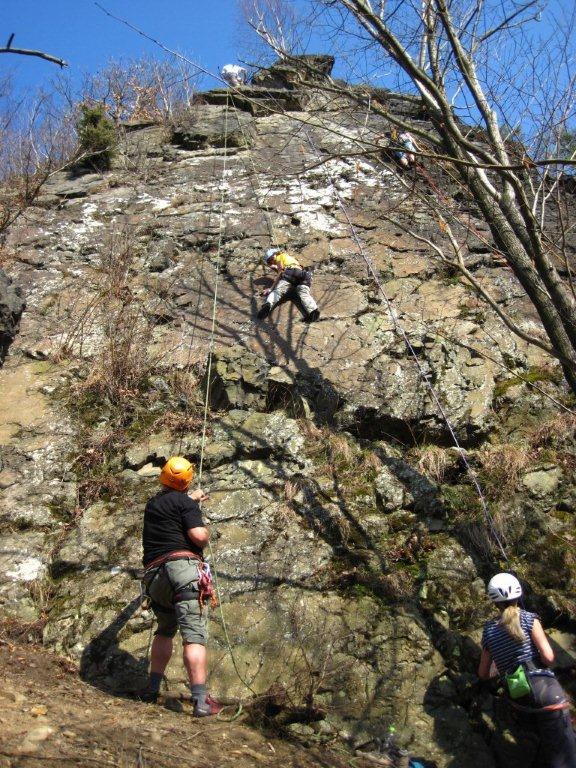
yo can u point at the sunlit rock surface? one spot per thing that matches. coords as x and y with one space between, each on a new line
348 541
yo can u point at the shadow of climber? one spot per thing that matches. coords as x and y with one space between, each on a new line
107 666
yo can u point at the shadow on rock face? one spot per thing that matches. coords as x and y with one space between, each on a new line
11 308
107 666
453 731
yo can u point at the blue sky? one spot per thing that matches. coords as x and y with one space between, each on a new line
81 34
208 32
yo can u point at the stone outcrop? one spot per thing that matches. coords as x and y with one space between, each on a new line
294 72
260 102
213 126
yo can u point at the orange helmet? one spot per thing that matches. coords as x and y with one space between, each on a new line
177 473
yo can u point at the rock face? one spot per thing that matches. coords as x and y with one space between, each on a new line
11 308
350 544
214 126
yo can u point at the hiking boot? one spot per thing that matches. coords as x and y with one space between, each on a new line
311 317
264 311
146 695
210 707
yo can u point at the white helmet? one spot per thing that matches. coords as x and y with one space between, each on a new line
504 587
270 253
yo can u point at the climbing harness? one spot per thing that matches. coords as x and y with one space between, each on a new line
205 592
539 688
297 276
145 601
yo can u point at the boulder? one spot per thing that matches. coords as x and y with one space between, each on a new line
239 379
261 434
389 490
543 481
453 592
293 72
156 449
71 185
23 562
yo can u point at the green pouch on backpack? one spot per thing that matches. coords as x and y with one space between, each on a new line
517 683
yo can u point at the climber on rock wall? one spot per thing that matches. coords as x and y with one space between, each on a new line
515 646
234 75
177 580
290 278
404 146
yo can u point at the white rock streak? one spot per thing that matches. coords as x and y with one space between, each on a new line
29 569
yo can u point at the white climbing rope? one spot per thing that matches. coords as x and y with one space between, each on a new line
208 383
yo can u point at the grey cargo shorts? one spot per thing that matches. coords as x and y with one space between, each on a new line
185 615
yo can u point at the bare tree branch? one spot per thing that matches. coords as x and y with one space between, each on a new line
28 52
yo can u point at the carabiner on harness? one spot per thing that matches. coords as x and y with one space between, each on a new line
206 591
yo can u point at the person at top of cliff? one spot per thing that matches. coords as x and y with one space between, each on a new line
515 646
176 579
404 146
291 280
234 75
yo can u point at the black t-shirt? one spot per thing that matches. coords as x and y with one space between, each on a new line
167 517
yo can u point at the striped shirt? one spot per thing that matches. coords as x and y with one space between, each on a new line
506 652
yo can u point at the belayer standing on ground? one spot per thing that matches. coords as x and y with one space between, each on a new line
234 75
290 278
519 649
176 578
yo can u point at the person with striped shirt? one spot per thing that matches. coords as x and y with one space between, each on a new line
516 639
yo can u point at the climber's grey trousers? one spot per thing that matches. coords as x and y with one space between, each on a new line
303 292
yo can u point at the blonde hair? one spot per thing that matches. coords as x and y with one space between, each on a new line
510 620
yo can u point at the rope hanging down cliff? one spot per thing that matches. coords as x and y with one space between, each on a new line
218 269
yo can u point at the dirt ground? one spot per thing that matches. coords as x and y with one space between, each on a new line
49 717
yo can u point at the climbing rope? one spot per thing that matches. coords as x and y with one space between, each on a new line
208 387
215 295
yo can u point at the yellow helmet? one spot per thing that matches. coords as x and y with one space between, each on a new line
177 473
